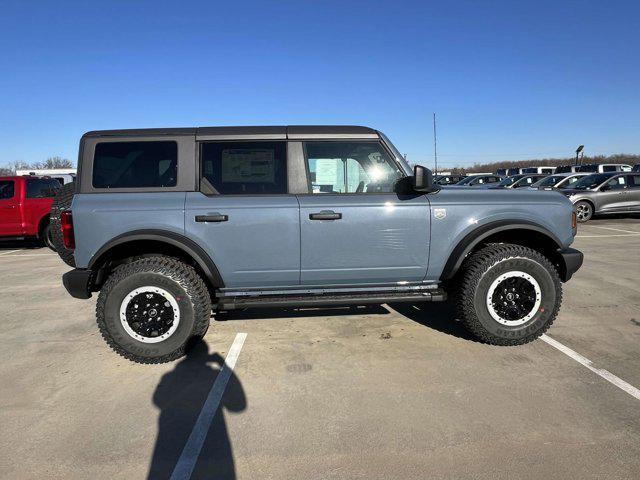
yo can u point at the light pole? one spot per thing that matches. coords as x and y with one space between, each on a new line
578 150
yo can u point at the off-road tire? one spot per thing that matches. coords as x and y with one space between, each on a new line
484 267
175 277
61 202
584 211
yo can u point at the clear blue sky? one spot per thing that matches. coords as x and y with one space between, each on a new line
508 80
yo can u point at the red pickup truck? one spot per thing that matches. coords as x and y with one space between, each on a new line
25 204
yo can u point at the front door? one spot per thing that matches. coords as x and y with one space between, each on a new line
10 217
244 216
354 228
614 196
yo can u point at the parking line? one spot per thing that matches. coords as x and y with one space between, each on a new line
616 229
607 375
189 456
603 236
10 251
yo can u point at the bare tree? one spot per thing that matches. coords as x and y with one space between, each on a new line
56 162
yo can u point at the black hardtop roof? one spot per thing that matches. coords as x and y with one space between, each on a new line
291 131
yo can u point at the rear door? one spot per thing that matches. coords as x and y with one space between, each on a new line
244 215
10 216
634 193
354 228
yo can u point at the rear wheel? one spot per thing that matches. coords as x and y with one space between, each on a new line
61 202
584 211
149 309
508 294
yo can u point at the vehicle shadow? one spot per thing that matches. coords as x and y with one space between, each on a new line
180 396
440 316
20 244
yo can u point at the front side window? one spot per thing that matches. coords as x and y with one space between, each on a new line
135 164
245 168
7 189
350 167
42 188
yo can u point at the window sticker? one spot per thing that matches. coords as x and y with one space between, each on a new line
248 165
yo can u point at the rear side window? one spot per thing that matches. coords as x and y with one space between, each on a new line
6 189
135 164
42 188
635 181
609 168
245 168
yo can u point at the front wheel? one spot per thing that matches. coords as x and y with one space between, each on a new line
47 237
508 294
584 211
149 309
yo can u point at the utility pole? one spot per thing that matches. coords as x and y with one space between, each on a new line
435 145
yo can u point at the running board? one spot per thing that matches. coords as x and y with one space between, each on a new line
326 300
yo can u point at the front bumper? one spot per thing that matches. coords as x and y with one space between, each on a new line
78 282
572 260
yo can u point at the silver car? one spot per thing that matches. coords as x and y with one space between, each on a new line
605 193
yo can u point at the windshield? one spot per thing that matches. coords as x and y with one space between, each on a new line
465 181
590 181
509 181
548 181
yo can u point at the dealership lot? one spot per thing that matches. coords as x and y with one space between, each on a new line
394 391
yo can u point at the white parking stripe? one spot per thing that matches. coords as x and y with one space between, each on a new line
606 236
10 251
607 375
189 456
615 229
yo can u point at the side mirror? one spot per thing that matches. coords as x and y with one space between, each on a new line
423 180
604 188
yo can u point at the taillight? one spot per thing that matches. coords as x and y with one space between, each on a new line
66 220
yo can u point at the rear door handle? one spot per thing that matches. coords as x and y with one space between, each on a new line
325 215
214 217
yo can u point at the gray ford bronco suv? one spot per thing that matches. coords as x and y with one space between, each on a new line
172 224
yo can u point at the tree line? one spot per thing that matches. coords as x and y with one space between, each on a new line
49 163
630 159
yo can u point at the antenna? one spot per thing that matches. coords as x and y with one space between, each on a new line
435 145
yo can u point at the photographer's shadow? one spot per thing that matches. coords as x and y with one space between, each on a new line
180 396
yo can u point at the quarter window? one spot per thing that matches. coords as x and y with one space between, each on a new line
135 164
6 189
245 168
350 167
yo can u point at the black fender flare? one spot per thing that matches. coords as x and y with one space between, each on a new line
174 239
473 238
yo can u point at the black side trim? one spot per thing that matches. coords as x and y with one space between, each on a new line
78 282
185 244
572 262
467 244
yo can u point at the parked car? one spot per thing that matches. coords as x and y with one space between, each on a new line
604 167
168 224
514 171
517 181
545 170
567 168
448 179
63 175
474 180
558 181
605 193
25 203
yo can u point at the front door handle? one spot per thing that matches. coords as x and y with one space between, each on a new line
325 215
214 217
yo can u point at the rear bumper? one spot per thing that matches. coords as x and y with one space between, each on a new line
78 282
572 260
